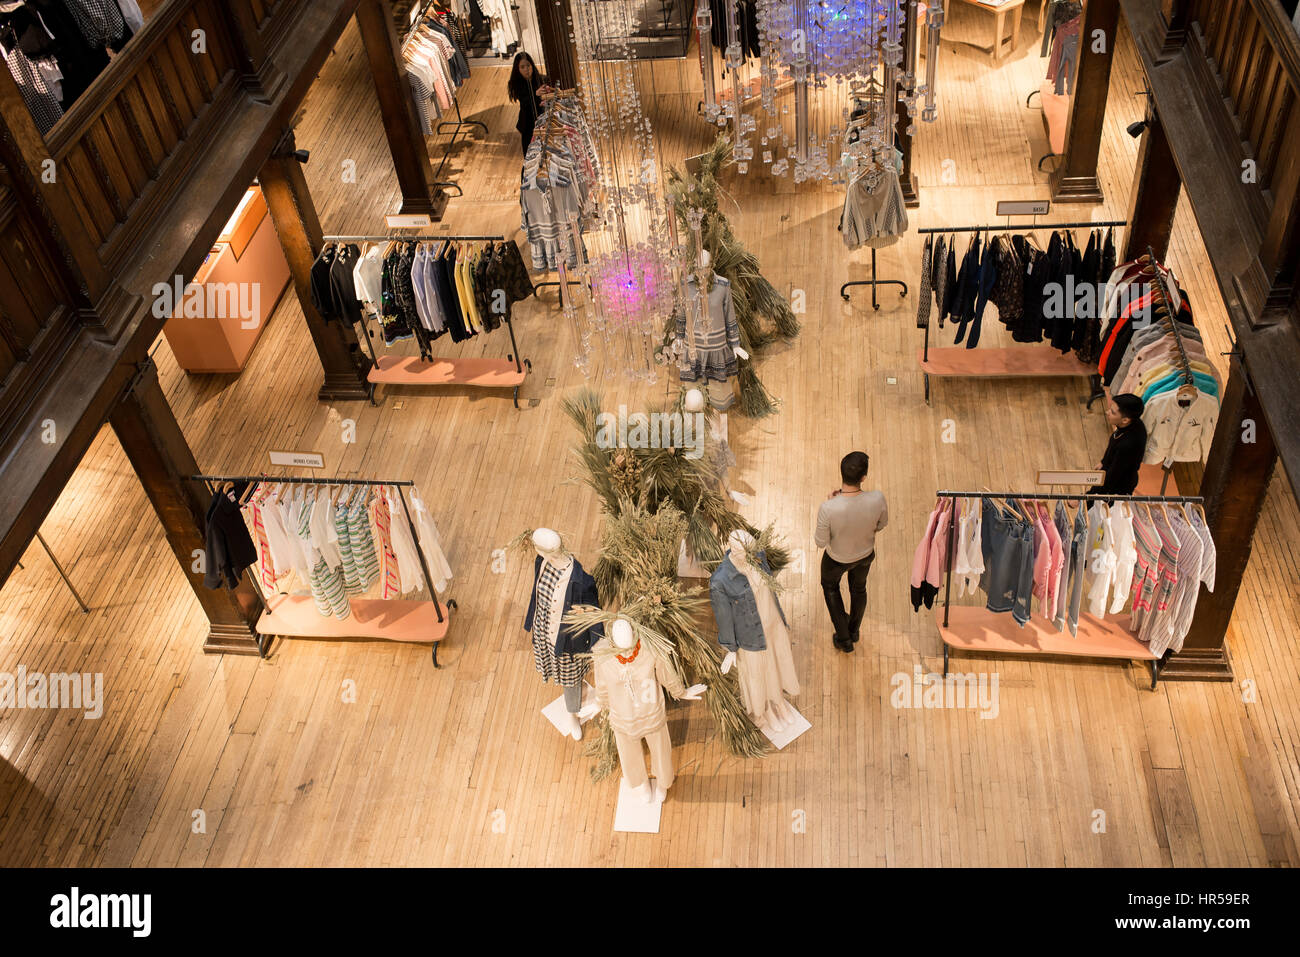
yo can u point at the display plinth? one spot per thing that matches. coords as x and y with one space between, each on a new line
634 814
556 712
1008 362
975 628
295 616
791 731
412 370
1151 481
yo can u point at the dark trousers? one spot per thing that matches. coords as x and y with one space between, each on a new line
848 622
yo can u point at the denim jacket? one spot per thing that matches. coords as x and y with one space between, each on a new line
580 591
736 610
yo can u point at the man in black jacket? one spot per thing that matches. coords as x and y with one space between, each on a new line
1128 444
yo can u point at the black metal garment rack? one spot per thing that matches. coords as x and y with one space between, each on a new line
212 482
1152 663
514 356
1093 380
456 127
873 282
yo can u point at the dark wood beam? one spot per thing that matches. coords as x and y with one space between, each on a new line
1075 179
904 139
406 141
156 447
294 214
1154 198
1235 485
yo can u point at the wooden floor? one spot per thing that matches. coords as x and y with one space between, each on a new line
457 766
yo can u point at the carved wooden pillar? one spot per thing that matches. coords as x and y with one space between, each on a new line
555 23
1156 187
1269 286
296 223
406 140
258 74
1176 15
1075 180
1237 476
153 441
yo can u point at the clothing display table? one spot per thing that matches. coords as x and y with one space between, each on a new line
1005 363
295 616
1001 42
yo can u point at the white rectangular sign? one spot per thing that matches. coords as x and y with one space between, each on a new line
1088 477
301 460
1024 207
408 221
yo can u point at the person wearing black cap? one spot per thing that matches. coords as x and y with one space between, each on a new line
1128 444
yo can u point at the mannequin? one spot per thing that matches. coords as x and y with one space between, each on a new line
725 459
559 651
629 682
712 336
752 627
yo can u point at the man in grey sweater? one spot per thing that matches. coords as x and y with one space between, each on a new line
847 523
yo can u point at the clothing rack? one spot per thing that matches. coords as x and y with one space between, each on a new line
460 124
982 630
873 282
296 616
1170 318
504 373
1008 362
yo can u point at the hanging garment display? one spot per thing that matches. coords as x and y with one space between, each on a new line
436 66
874 212
228 546
557 186
1054 565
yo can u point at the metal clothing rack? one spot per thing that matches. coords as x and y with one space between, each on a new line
873 282
213 482
1093 380
461 122
1023 647
383 372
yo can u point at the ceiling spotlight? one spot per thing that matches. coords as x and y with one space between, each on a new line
303 155
1136 129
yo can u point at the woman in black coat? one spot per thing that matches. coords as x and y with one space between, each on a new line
525 83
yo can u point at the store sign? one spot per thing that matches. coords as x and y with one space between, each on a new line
408 221
1024 207
299 460
1086 477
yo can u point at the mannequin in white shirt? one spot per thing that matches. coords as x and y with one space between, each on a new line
548 545
623 638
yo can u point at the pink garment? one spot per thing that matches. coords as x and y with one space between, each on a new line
938 561
1057 565
1042 563
925 549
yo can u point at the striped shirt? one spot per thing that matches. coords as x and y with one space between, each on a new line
1146 542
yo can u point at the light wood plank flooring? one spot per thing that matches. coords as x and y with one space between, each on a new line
457 767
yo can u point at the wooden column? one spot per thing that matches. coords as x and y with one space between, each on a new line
1075 180
555 23
406 140
258 73
153 441
1237 476
905 141
1156 187
287 198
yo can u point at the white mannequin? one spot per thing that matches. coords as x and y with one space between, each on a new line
547 543
777 712
621 634
694 402
703 273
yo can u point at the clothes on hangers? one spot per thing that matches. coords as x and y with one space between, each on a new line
228 547
874 213
929 560
927 277
558 185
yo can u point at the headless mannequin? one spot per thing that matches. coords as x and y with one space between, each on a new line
623 638
775 711
550 548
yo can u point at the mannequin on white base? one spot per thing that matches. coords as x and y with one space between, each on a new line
752 627
630 680
559 584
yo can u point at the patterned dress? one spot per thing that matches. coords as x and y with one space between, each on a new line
564 670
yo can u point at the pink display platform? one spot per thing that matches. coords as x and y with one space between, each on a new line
295 616
1004 363
975 628
411 370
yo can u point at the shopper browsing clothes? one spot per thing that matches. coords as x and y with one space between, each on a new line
1128 443
847 523
525 85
